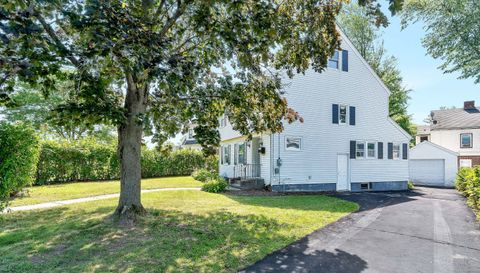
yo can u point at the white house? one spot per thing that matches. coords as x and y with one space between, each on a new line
347 141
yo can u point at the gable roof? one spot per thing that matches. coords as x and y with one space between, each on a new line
458 118
360 57
428 143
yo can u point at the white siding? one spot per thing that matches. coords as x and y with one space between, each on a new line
429 151
450 139
312 95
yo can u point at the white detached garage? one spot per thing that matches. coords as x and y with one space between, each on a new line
432 165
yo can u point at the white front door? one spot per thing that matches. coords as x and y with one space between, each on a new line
342 172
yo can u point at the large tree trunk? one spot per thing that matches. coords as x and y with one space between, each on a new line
129 151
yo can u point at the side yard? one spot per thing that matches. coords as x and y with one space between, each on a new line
185 231
40 194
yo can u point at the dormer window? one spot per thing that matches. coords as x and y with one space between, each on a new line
334 60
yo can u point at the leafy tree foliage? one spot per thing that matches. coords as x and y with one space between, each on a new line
31 106
162 63
451 33
360 27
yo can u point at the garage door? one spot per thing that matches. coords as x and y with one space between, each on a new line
427 171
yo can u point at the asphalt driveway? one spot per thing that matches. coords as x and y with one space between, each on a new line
428 230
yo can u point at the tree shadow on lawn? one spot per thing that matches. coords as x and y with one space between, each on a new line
66 240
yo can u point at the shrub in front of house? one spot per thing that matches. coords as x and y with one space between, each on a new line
215 185
203 175
468 183
19 150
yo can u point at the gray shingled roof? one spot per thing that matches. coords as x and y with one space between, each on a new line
455 119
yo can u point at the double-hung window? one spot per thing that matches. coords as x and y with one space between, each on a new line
225 154
371 150
342 114
191 133
466 140
334 60
360 150
396 151
241 153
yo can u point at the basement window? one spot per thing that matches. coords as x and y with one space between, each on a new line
366 186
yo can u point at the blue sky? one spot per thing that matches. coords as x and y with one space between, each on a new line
431 87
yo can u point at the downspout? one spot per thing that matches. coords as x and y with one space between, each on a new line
278 165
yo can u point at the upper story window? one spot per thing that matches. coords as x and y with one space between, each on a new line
223 121
371 150
334 60
466 140
396 151
342 114
360 150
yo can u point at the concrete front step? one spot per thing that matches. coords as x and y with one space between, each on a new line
248 184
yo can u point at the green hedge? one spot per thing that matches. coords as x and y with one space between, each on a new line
468 183
19 149
88 160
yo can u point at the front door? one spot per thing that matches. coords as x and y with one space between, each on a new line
342 172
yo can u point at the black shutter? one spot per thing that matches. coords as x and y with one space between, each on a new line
390 150
352 115
405 151
380 150
335 113
345 60
353 148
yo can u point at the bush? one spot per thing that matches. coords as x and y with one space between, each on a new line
215 185
88 160
203 175
468 182
19 150
410 185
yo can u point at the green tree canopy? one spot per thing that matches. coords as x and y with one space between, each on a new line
452 33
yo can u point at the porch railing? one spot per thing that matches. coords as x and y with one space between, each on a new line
245 171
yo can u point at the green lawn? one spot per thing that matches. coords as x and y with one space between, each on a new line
185 231
40 194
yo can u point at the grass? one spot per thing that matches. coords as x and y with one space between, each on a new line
41 194
185 231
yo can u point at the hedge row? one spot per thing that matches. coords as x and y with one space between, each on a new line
19 151
88 160
468 183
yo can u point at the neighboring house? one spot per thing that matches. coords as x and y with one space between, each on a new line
347 141
457 130
188 141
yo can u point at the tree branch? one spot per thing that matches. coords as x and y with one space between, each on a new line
57 40
171 21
